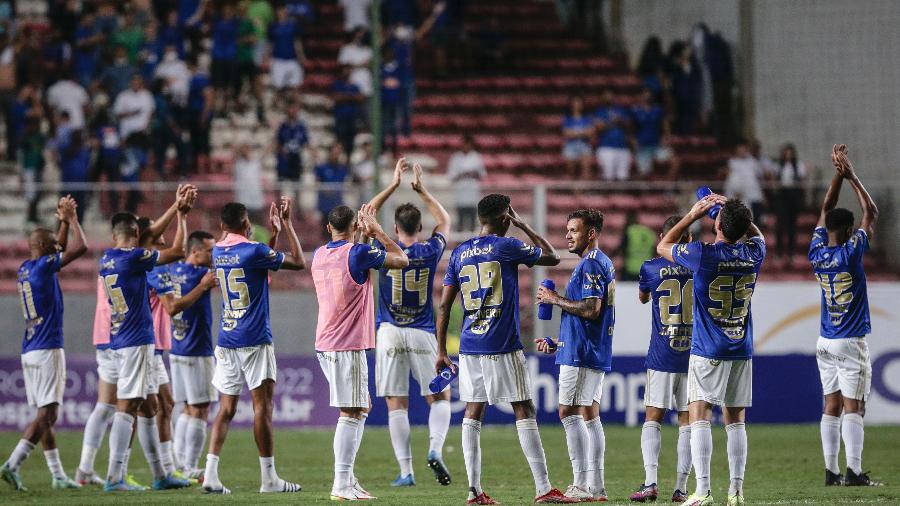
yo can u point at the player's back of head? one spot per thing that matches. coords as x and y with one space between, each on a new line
839 220
41 239
408 218
492 208
197 237
234 217
341 218
144 224
670 222
124 225
591 218
735 219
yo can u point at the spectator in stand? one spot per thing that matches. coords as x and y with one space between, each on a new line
130 36
391 98
652 69
190 19
26 106
638 245
75 167
302 11
356 14
86 54
200 110
31 154
67 95
30 59
62 130
347 109
133 109
357 54
247 69
292 137
714 58
64 16
175 72
287 57
332 174
261 14
8 91
165 131
790 199
651 131
107 145
446 33
171 33
224 55
56 56
248 188
687 88
613 125
107 18
151 51
742 180
577 130
465 170
116 77
363 169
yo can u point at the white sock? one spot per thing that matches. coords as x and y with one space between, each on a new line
21 452
54 464
438 425
93 434
576 441
127 458
683 468
596 454
148 435
178 441
830 429
398 424
471 447
344 451
194 440
211 474
360 429
651 439
166 457
853 434
530 440
267 471
119 436
701 454
737 456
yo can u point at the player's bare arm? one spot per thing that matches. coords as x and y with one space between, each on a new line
869 209
448 295
395 258
295 260
275 224
834 189
549 257
176 252
643 296
173 305
673 236
68 218
62 231
441 216
182 195
590 309
379 200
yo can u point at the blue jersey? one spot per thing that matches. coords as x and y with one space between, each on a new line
404 295
613 136
243 272
191 328
839 269
124 272
158 280
584 342
485 270
671 288
42 303
724 280
282 36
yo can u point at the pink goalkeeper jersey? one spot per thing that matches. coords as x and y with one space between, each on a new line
162 323
102 316
346 308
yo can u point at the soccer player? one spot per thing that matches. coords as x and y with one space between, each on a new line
124 271
671 288
346 329
720 366
245 353
484 272
836 254
192 347
405 342
43 358
584 351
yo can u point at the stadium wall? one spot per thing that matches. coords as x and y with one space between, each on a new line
786 385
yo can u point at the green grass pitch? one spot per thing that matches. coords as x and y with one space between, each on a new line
784 467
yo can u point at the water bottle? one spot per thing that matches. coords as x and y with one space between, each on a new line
440 382
545 311
551 346
713 211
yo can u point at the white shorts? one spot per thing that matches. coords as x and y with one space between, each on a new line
45 376
666 390
160 376
107 366
494 378
251 365
347 373
192 379
578 386
285 74
400 352
845 367
614 162
726 383
136 371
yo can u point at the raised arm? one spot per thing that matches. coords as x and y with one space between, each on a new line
672 237
174 252
159 226
295 260
379 200
441 216
548 257
174 306
590 309
869 209
448 295
396 258
69 221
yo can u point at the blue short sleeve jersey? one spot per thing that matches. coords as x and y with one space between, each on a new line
648 125
839 269
671 289
42 303
158 280
724 279
191 328
243 273
404 295
124 272
584 342
614 134
485 270
282 36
